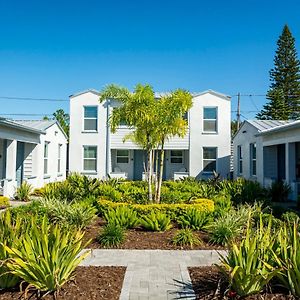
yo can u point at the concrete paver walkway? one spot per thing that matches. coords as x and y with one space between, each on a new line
154 274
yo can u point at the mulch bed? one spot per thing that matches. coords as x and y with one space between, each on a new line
210 284
140 239
90 283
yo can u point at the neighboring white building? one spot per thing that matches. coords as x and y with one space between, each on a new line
268 151
32 151
95 151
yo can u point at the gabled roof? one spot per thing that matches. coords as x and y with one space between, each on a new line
160 94
289 125
262 125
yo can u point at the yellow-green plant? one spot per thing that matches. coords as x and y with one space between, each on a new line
4 202
186 237
287 257
123 216
248 265
156 222
24 191
46 256
194 219
112 235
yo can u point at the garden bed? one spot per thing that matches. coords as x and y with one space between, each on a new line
90 283
141 239
210 284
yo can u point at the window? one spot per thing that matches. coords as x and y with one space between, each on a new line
90 158
253 159
46 153
59 158
90 118
122 156
240 160
210 119
176 157
209 159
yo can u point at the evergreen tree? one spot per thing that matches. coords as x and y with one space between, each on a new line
284 92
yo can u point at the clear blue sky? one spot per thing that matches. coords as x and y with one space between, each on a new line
51 49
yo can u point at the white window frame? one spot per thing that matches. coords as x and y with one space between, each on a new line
59 159
95 159
88 118
122 156
176 157
46 157
210 159
215 120
253 160
240 159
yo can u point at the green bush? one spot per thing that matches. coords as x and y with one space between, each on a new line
112 235
248 263
23 192
45 256
185 237
290 217
156 221
4 202
123 216
279 191
194 219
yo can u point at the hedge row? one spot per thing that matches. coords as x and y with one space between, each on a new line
172 210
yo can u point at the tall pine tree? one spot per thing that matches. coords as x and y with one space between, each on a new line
284 92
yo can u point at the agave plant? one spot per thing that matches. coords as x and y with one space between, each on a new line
23 192
194 219
45 256
248 265
156 221
123 216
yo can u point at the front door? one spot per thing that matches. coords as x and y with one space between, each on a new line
20 163
281 161
139 161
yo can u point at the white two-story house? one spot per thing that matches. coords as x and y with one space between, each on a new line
96 151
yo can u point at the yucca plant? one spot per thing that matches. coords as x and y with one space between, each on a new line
156 221
287 257
10 232
23 192
112 235
186 237
194 219
248 265
45 256
123 216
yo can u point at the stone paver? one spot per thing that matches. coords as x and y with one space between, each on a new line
154 274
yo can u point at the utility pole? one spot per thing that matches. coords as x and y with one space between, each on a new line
238 112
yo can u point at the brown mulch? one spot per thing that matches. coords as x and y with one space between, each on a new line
90 283
210 284
140 239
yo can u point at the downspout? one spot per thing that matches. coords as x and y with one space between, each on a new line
107 164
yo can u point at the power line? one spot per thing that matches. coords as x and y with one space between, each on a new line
37 115
32 99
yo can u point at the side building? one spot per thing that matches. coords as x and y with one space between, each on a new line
96 151
33 151
269 151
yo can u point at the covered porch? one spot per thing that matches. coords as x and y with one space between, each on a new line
282 163
131 164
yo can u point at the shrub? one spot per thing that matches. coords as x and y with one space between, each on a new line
123 216
156 222
112 235
45 256
23 192
194 219
279 191
10 232
4 202
185 237
287 257
247 266
174 211
290 217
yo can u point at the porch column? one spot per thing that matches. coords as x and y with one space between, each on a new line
287 163
11 163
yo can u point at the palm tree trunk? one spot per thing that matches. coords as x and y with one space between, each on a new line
161 171
149 175
156 174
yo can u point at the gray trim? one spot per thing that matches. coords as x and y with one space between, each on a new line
16 125
93 91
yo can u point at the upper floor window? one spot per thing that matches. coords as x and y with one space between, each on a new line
122 156
59 158
210 119
240 159
253 159
209 159
90 118
90 158
176 157
46 155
